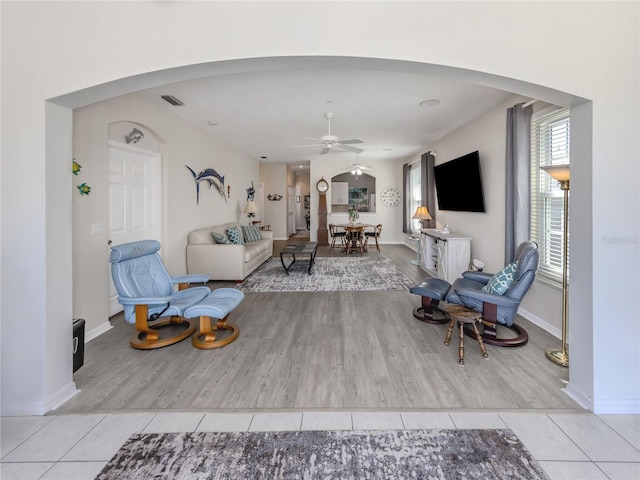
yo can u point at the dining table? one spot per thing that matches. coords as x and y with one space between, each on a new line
355 236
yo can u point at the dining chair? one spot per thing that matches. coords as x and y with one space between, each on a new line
355 239
375 234
335 235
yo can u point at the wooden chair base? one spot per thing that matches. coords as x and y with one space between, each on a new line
490 335
206 337
150 338
426 314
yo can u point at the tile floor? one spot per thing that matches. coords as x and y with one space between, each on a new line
568 445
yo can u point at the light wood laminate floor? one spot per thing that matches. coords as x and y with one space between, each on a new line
321 350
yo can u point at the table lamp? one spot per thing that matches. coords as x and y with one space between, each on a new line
250 209
421 214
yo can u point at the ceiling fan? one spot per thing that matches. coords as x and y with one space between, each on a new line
329 142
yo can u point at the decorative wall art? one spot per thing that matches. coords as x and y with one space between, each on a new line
76 167
275 197
251 191
134 136
212 177
84 189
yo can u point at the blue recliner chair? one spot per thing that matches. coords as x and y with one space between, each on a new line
498 309
146 291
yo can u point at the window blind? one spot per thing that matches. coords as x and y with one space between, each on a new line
550 134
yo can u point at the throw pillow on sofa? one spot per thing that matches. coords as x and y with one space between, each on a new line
251 233
500 282
235 236
220 238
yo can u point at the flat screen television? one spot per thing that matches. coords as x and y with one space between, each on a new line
459 184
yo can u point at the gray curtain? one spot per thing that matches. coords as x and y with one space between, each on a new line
427 161
518 172
406 201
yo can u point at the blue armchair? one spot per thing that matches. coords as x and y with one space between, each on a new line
147 293
498 308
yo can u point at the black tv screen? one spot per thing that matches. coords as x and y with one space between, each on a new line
459 184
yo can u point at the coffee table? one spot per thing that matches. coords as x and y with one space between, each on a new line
301 249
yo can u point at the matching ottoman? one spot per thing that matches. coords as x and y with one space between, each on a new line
433 291
217 305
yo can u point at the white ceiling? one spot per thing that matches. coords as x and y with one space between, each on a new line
265 113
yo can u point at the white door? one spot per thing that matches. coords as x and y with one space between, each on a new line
291 220
134 200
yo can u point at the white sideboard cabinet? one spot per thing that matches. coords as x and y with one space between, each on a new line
445 255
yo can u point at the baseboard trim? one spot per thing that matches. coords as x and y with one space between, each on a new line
62 396
578 397
96 332
546 326
617 407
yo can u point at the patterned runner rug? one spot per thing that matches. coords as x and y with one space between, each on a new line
329 274
389 455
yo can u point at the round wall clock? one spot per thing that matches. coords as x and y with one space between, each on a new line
390 197
322 185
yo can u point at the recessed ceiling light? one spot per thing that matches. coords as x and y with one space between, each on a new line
212 122
263 157
432 102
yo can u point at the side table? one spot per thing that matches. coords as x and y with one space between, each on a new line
463 315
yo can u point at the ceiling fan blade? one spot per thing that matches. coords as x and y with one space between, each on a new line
351 141
350 148
314 139
325 150
311 145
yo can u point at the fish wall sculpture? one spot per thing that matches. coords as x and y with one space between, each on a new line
134 136
210 176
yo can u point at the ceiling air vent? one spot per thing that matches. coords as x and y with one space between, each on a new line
172 100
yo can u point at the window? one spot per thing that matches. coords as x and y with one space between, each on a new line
416 195
550 133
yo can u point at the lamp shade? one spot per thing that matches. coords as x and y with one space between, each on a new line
250 207
557 172
421 214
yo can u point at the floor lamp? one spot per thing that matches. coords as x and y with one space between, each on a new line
423 215
561 174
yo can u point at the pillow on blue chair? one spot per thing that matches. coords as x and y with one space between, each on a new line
251 233
234 235
500 282
220 238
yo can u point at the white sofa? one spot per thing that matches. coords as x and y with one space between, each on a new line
226 261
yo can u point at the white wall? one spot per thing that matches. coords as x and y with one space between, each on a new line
181 143
501 44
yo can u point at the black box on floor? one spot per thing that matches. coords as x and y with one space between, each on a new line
78 343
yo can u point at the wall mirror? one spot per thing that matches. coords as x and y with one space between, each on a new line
349 190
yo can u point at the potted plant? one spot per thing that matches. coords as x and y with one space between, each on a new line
353 214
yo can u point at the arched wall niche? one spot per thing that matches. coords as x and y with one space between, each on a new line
360 192
125 131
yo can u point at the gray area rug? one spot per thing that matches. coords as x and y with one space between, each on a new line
329 274
391 454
